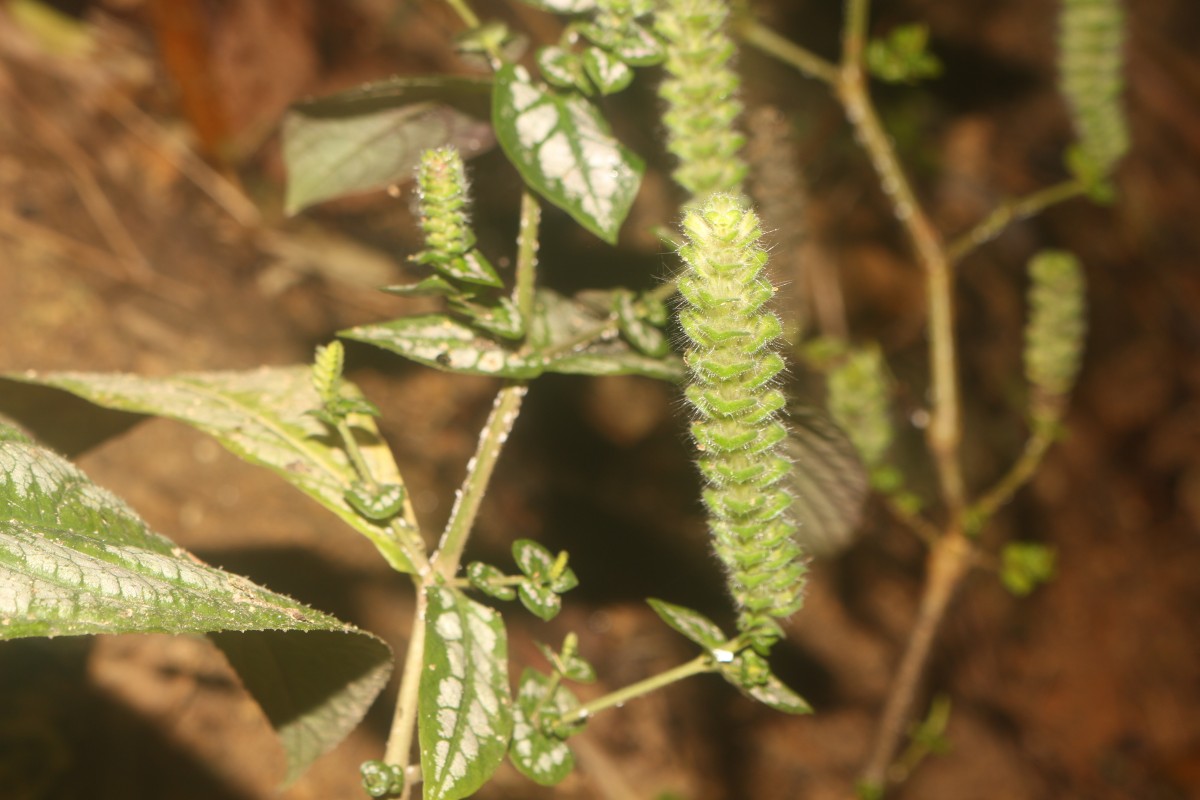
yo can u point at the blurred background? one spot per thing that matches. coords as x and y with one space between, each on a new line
140 230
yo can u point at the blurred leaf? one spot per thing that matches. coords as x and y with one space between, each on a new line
465 710
827 481
330 157
903 56
1025 566
607 72
564 150
569 663
76 560
262 416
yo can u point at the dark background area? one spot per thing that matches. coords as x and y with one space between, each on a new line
120 250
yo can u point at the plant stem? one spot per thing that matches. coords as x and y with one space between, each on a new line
479 472
945 425
1010 212
768 41
464 13
404 718
950 559
527 250
947 565
698 665
1017 476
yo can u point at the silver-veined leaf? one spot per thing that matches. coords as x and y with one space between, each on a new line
692 624
75 560
555 332
563 148
542 758
465 710
262 416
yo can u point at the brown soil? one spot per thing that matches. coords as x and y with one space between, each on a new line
116 255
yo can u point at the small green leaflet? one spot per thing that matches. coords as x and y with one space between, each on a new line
541 758
262 416
563 148
465 710
75 560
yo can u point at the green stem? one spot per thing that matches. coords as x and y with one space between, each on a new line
768 41
479 473
464 13
404 718
945 427
1017 476
1010 212
527 250
470 19
698 665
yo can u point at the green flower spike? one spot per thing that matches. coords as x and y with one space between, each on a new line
700 92
738 431
449 242
1055 331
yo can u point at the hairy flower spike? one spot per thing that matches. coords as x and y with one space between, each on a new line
449 242
1055 331
738 430
700 92
1090 63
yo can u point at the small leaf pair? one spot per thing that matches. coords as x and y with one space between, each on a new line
544 577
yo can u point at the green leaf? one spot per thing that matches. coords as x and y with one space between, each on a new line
374 136
559 321
263 417
533 560
902 57
556 343
692 624
1025 566
433 286
379 503
607 72
564 150
637 327
539 756
440 341
563 69
489 580
632 44
75 560
541 601
750 672
569 663
465 710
